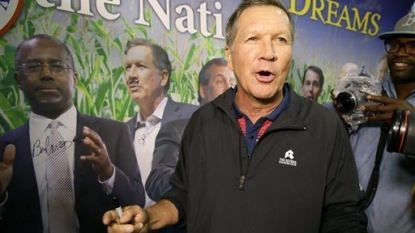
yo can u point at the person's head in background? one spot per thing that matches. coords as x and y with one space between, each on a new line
148 71
400 48
348 67
313 81
214 78
45 73
382 69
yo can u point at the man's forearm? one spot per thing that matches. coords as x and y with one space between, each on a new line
163 213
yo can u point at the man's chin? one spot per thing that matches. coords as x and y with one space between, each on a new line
50 102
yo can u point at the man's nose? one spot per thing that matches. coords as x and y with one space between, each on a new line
46 70
131 72
268 50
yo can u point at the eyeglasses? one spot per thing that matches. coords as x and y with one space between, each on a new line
394 47
35 67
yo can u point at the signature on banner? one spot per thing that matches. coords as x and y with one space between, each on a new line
49 148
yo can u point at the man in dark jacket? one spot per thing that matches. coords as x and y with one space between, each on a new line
258 150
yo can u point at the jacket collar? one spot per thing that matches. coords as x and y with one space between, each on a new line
291 117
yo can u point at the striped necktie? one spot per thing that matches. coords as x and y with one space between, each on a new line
61 201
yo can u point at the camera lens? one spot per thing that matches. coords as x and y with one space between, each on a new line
401 132
346 102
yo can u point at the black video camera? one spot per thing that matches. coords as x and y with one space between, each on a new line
401 135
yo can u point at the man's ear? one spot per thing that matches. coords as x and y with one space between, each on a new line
229 57
75 80
202 91
164 78
16 78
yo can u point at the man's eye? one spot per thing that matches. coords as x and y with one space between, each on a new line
59 65
411 45
394 45
32 66
281 40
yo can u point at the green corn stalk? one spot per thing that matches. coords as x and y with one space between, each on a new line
100 88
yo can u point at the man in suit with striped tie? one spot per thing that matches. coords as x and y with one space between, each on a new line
60 171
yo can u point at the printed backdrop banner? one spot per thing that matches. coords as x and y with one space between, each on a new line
329 33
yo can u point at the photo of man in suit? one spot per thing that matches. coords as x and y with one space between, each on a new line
313 82
148 70
60 171
214 78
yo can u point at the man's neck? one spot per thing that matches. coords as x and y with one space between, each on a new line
256 108
50 113
147 109
404 89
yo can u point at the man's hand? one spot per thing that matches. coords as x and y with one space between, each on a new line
99 155
134 219
336 108
384 111
6 168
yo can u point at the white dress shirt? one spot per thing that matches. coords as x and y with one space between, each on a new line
144 141
37 130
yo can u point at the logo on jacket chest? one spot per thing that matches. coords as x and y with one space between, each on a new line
288 159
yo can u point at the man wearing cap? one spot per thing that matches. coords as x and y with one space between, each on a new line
389 209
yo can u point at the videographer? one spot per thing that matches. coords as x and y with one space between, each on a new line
392 179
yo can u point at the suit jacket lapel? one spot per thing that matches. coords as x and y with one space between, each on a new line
24 157
24 173
170 112
131 125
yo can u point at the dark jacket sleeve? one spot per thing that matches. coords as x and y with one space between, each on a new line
344 198
128 187
178 193
166 154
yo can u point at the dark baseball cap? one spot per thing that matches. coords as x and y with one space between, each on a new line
404 27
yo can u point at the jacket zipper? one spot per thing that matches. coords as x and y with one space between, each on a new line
243 174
